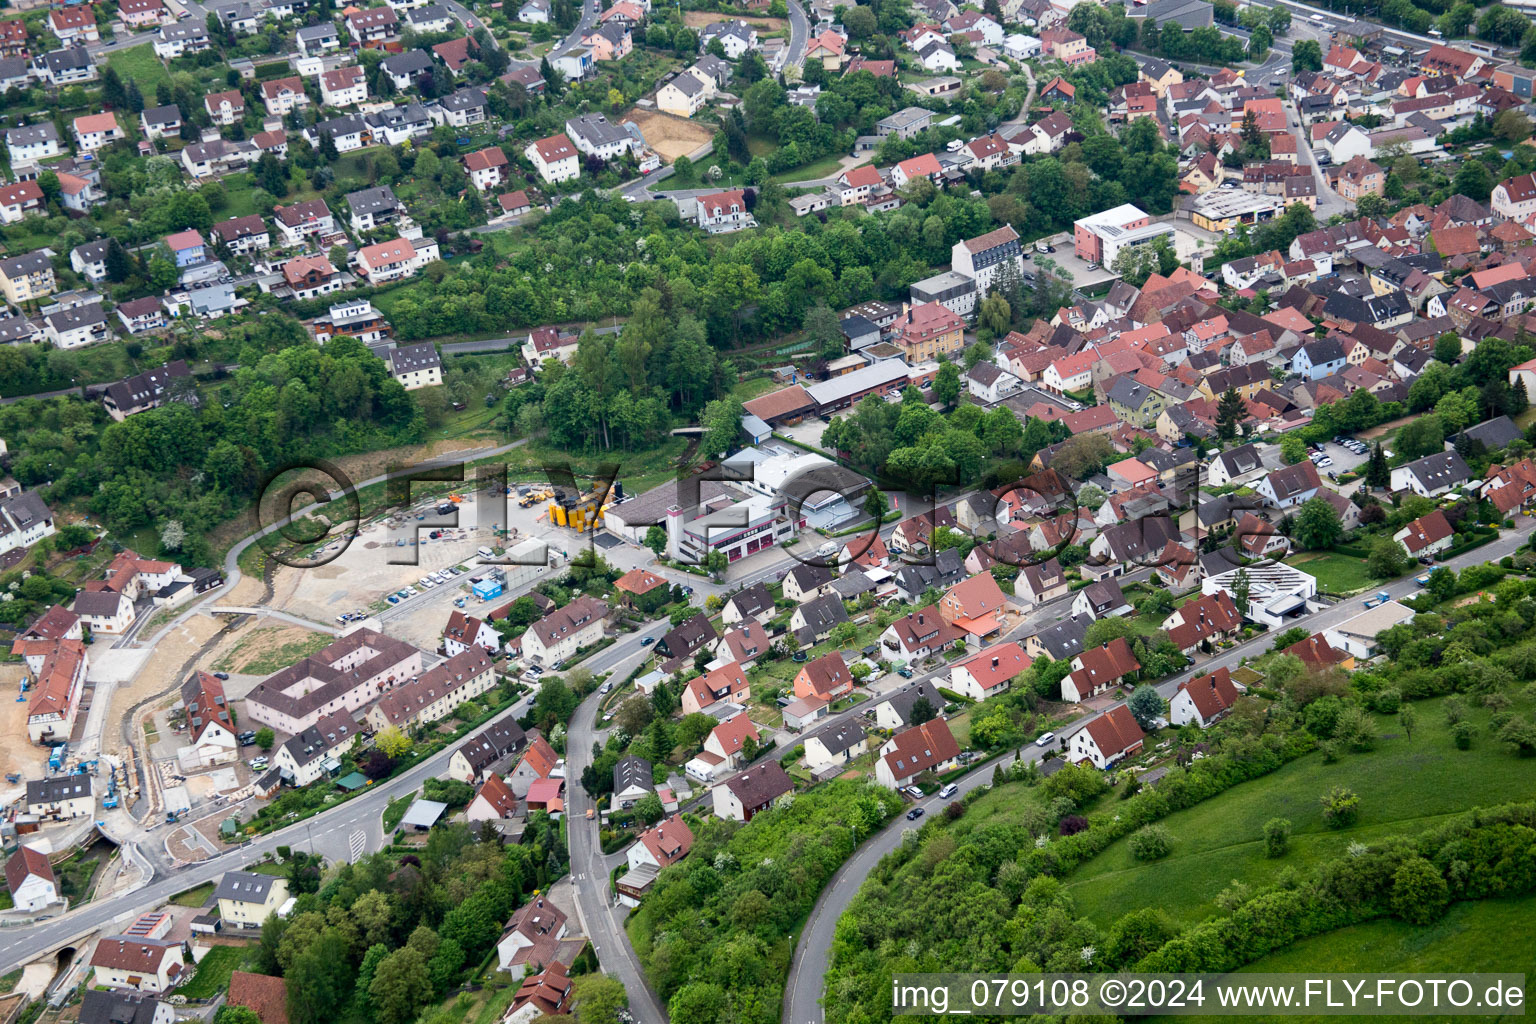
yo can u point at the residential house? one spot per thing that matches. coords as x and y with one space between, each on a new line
990 672
1109 738
1097 669
929 747
1427 536
561 633
743 796
554 158
31 880
478 757
1100 600
209 719
1203 700
1432 475
141 964
247 898
724 683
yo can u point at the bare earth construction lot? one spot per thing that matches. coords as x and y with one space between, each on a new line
670 136
698 19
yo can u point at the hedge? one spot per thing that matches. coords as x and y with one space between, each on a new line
1484 853
1176 791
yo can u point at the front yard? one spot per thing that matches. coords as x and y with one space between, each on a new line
1336 574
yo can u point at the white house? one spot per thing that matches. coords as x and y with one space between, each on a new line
554 158
144 965
247 899
30 879
1203 700
562 632
532 936
990 672
1432 475
1109 738
210 723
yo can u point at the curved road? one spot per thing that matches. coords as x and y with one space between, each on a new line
807 972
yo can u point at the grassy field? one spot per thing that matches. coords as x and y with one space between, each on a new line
194 897
826 167
1470 937
1405 785
258 655
213 973
76 876
1336 574
139 64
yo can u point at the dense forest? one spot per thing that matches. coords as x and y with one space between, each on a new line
384 938
716 933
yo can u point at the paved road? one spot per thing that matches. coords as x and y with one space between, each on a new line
807 976
330 837
799 34
1329 202
589 868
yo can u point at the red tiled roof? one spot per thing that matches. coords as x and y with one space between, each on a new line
1115 731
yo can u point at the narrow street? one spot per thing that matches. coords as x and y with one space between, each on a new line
807 974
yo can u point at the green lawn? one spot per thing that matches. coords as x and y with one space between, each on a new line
1471 937
213 973
194 897
826 167
1336 574
1405 785
139 64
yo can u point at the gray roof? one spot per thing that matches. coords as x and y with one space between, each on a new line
373 200
902 700
752 600
324 31
1064 639
77 317
58 788
32 133
595 130
1443 469
844 735
244 887
431 12
26 263
1240 460
163 115
499 739
410 358
72 59
824 612
1495 433
117 1006
463 99
632 771
688 85
411 62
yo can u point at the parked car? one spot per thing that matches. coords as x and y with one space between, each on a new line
221 675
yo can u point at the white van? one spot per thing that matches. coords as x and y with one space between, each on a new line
948 791
485 553
1045 738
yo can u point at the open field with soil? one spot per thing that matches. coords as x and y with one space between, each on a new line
670 136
